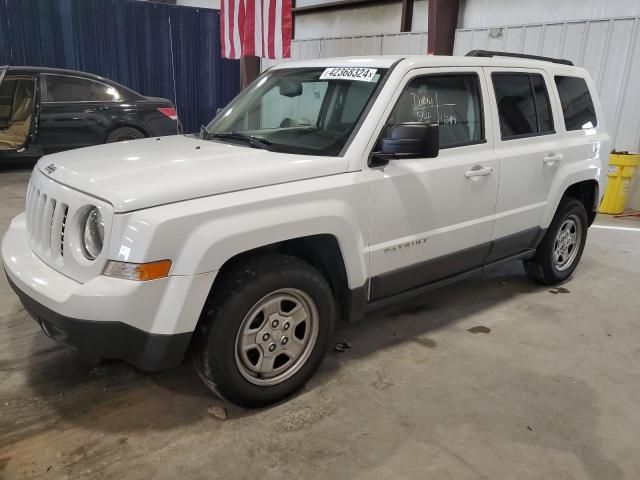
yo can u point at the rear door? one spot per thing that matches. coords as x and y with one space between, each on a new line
75 112
530 152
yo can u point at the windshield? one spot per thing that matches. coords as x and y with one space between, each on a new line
311 111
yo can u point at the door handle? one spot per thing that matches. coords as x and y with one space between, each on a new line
478 171
552 158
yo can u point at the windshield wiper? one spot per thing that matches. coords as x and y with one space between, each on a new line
204 133
252 140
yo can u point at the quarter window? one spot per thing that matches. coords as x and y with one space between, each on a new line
60 88
577 105
451 101
523 105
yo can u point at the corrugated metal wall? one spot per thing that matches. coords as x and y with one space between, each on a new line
390 44
608 49
487 13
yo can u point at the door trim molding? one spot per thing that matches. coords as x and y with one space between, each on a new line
452 266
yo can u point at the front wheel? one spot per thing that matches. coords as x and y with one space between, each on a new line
558 254
265 330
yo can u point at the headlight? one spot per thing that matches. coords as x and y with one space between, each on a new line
93 234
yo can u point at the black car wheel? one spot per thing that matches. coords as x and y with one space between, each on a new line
265 330
559 252
124 133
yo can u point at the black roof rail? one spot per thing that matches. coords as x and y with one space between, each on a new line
490 53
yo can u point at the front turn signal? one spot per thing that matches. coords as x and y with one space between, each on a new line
137 271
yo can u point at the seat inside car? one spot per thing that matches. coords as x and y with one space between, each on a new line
20 120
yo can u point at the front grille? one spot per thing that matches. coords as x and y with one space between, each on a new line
54 213
46 218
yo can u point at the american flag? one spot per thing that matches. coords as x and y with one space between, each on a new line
256 27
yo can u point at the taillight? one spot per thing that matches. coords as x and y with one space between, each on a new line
169 112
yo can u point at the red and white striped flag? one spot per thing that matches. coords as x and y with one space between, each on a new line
256 27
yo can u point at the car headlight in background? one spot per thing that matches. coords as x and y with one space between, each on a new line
93 234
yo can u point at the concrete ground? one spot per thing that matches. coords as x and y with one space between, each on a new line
494 378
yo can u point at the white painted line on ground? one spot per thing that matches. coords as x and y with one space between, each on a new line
610 227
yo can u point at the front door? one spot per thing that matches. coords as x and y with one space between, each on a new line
432 218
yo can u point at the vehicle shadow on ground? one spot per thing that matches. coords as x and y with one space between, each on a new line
88 395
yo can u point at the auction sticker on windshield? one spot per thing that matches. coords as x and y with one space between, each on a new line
349 73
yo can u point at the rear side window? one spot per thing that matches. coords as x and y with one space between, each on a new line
453 102
523 105
60 88
577 106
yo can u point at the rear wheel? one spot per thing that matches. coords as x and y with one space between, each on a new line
265 330
560 251
124 133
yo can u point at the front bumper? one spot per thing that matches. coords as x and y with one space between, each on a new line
96 340
148 324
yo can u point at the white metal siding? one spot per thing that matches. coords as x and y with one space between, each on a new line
608 49
413 43
487 13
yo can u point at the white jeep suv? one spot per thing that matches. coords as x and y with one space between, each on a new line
324 190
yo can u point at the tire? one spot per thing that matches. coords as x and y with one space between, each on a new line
547 267
124 133
249 297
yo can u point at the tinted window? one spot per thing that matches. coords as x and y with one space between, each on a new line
451 101
577 106
523 104
71 89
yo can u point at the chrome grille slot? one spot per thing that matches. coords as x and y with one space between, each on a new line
63 225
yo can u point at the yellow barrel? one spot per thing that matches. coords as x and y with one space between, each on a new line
622 168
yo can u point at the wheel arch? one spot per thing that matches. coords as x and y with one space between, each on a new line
321 251
584 185
112 128
587 192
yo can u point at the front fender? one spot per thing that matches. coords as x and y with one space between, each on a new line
200 235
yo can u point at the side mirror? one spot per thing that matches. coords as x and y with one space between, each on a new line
411 140
290 88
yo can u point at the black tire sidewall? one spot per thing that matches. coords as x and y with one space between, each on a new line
217 352
544 257
118 133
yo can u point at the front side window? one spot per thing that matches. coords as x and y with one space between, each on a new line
577 105
523 105
453 102
311 111
60 88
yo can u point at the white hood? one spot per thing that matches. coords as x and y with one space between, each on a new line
144 173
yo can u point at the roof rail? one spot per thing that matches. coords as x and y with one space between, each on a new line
490 53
